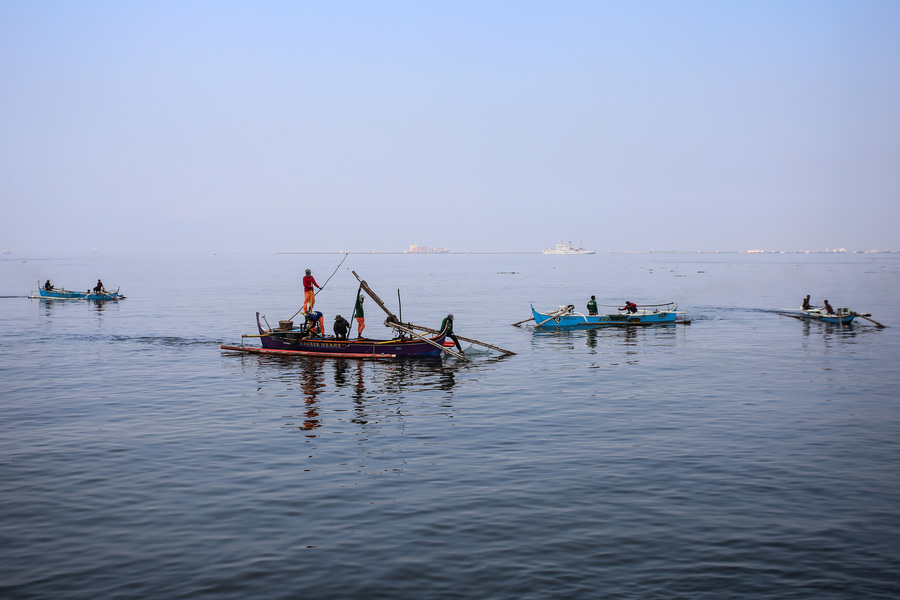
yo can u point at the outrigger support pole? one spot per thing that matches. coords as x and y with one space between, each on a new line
374 296
406 328
465 339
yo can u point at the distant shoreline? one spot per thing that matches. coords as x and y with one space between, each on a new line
622 252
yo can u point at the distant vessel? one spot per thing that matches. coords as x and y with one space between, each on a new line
561 248
413 249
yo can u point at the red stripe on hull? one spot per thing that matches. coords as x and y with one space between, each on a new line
255 350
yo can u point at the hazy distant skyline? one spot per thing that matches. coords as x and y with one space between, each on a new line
473 126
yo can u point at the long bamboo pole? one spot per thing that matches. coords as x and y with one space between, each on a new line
872 320
465 339
432 342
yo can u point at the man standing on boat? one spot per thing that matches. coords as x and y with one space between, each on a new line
592 306
448 323
828 309
309 296
360 315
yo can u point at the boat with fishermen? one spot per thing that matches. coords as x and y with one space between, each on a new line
838 316
826 314
290 339
562 248
309 339
566 317
50 292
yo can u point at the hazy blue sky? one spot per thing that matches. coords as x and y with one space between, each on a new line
476 126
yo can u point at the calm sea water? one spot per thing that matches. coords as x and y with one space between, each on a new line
747 455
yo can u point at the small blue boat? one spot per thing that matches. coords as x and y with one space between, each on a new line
59 294
840 316
567 318
55 293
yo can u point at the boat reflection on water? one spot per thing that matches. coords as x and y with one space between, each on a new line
376 389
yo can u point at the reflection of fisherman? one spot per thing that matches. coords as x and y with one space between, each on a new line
805 303
47 286
630 306
99 287
341 327
448 322
360 316
592 306
315 323
828 309
309 296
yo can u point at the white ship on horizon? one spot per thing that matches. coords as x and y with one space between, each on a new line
562 248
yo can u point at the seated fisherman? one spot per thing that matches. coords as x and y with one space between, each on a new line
47 286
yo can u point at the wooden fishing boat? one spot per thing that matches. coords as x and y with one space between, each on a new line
840 316
566 317
296 341
287 340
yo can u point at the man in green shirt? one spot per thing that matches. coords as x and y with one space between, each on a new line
360 315
448 322
592 306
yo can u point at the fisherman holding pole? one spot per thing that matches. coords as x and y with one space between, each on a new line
360 315
309 296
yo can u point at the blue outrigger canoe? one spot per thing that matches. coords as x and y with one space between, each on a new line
840 316
63 294
567 318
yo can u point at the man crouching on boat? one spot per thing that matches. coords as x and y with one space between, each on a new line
341 327
315 323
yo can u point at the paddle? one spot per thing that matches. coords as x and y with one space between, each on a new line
872 320
523 321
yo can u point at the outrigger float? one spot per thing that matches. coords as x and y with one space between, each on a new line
839 316
566 317
290 340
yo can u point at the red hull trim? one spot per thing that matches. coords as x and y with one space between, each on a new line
255 350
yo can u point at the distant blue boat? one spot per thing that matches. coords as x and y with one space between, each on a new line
64 294
840 316
567 318
60 294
